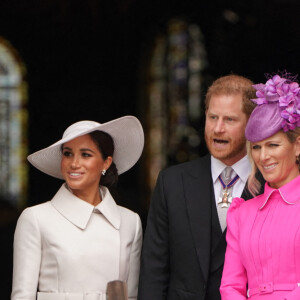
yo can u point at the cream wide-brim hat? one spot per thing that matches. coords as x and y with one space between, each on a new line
126 132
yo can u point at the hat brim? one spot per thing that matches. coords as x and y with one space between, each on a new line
126 132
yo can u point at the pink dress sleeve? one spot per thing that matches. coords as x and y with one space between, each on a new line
234 278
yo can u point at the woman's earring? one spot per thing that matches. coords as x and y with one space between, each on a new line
103 172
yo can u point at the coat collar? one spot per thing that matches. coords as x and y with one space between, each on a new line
78 211
289 192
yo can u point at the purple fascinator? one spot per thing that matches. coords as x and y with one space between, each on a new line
278 107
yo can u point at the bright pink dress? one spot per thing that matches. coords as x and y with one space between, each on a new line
262 259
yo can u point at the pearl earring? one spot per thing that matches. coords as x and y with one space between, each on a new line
103 172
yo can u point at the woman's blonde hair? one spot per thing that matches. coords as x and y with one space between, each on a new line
253 184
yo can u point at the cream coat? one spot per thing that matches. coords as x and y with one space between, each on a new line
68 249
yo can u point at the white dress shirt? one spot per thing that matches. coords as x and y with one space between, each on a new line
242 168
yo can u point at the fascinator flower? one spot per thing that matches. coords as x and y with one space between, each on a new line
286 93
278 107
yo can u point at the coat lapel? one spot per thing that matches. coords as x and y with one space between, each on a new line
198 193
78 211
75 210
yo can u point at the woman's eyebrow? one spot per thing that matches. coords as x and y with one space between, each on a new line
87 149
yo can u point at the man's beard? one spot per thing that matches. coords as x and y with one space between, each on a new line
235 150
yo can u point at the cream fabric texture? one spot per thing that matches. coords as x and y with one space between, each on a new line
67 245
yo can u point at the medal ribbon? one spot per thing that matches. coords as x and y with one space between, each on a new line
230 184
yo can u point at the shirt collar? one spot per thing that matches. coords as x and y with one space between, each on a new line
290 191
241 168
78 211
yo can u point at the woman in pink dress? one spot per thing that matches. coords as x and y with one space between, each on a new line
263 234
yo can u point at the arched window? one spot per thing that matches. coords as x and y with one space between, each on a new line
13 126
174 97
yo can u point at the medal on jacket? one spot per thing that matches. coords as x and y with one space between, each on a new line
225 197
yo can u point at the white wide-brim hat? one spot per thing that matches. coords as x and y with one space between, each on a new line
126 132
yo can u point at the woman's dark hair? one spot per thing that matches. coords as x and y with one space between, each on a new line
105 144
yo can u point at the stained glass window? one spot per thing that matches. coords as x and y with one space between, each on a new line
13 126
174 97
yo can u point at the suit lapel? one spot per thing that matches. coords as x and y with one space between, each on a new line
198 193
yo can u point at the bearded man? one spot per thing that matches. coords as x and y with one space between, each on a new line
184 245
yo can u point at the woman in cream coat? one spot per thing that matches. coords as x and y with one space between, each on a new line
72 246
